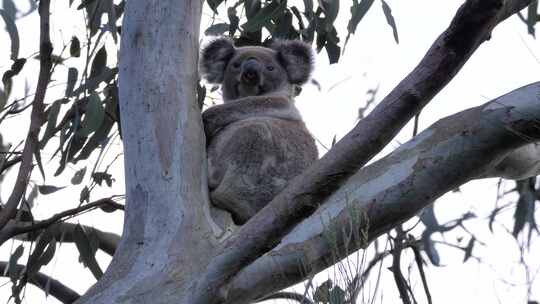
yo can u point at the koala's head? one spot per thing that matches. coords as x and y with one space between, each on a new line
253 70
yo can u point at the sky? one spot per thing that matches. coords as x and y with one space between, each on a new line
509 60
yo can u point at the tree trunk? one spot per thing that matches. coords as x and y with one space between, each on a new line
168 235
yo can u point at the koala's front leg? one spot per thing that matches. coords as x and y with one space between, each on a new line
218 117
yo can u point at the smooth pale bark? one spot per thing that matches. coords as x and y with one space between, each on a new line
449 153
168 237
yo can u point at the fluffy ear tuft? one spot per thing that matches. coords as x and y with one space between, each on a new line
297 58
214 59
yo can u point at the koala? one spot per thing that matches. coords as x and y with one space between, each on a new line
256 140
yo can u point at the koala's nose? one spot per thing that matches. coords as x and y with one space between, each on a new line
251 71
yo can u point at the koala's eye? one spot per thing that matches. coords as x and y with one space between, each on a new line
270 67
236 64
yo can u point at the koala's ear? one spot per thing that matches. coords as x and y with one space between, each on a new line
297 58
214 59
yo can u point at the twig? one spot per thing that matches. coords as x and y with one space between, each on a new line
10 231
49 285
31 143
287 296
419 264
62 230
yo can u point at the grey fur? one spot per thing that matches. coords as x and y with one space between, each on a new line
257 141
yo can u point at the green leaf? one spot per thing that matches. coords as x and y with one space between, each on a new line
358 11
42 254
390 19
308 8
91 84
15 256
468 249
322 292
264 15
111 17
78 176
13 33
337 295
85 195
284 28
532 17
217 29
52 116
48 189
214 4
93 117
87 254
75 47
233 21
99 177
31 197
331 10
99 63
71 80
252 7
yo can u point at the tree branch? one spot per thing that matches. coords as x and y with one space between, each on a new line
49 285
11 230
64 231
471 26
451 152
31 143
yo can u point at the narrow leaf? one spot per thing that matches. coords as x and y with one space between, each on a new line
15 256
52 117
78 176
72 78
48 189
99 63
390 19
264 15
75 47
217 29
13 33
93 117
87 255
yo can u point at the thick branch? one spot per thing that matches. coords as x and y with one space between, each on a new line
64 231
451 152
58 290
471 26
31 143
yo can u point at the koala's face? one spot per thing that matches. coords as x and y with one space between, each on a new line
251 71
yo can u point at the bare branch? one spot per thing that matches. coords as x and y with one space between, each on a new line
65 231
49 285
11 230
31 143
471 26
287 295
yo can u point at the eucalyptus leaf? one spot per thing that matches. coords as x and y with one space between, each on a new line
78 176
12 32
217 29
93 116
87 255
264 16
390 19
48 189
71 80
99 63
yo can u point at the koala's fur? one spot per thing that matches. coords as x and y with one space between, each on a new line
256 140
